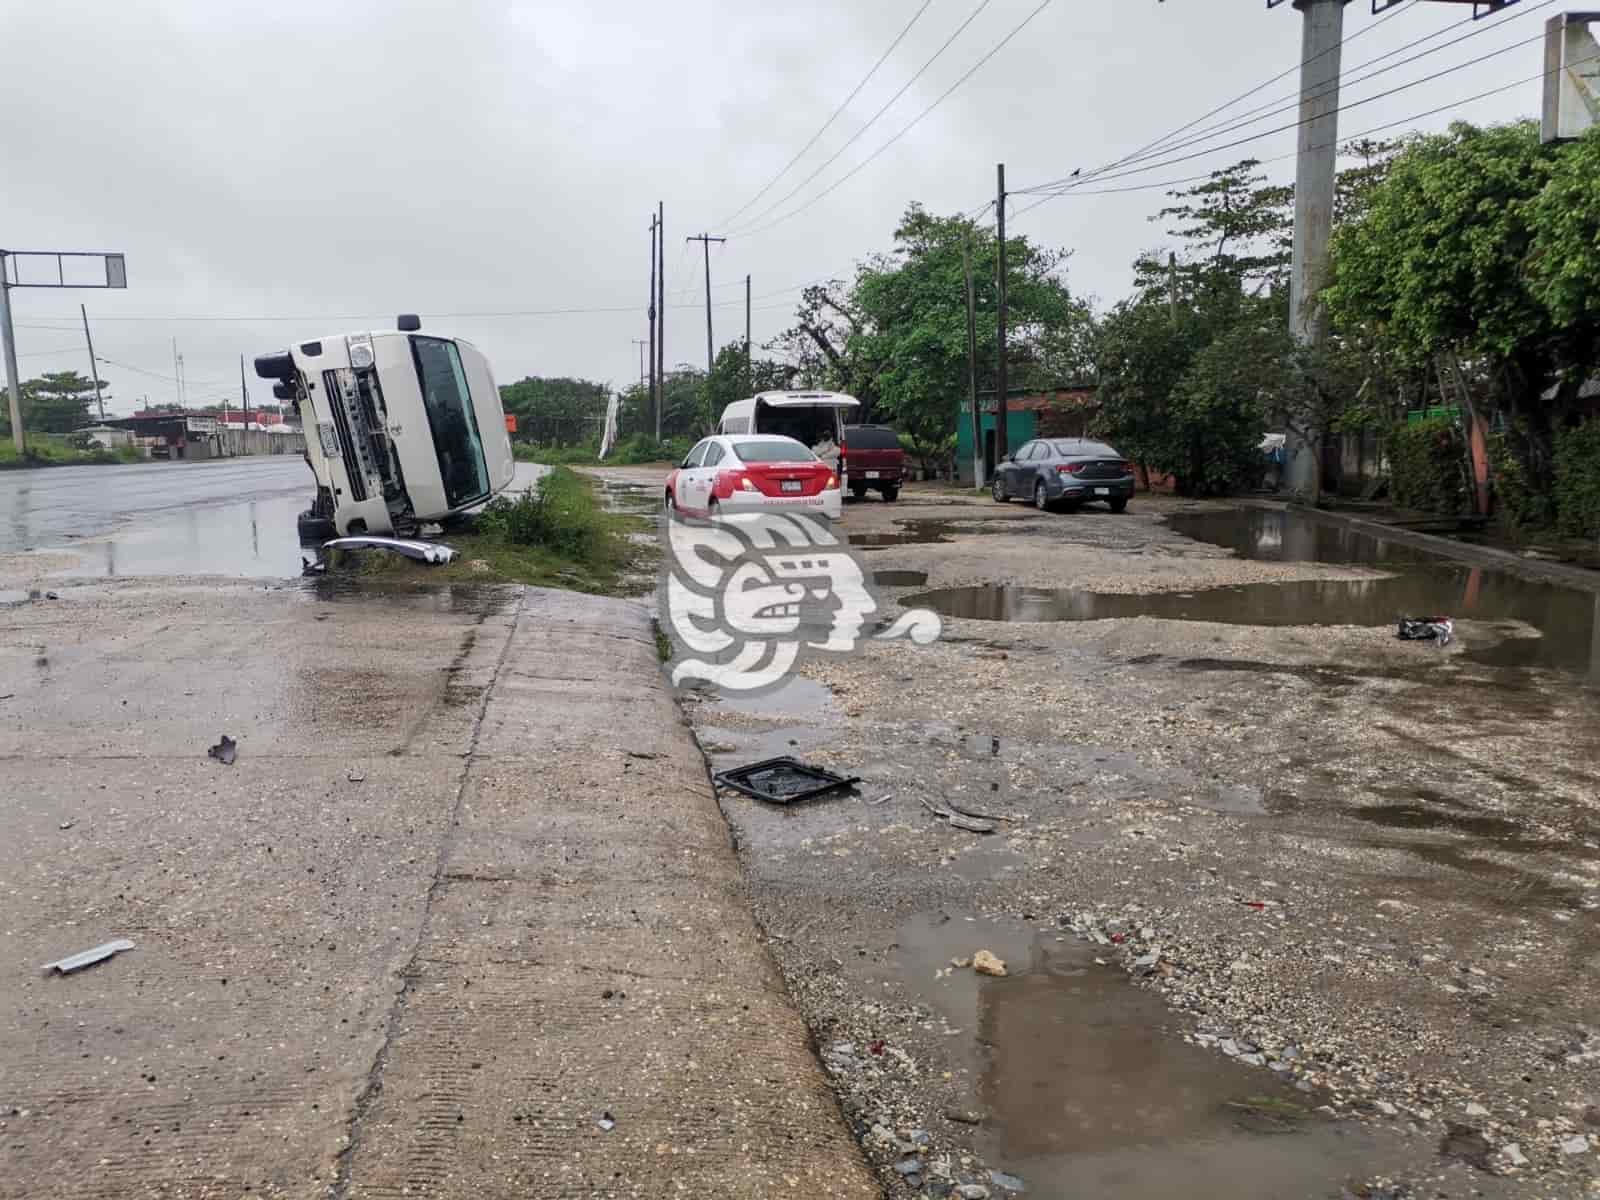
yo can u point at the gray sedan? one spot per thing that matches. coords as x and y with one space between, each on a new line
1064 473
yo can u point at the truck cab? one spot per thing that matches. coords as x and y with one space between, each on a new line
401 428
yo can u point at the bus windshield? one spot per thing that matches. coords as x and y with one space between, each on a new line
455 427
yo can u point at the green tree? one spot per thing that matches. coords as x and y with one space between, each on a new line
1470 261
557 411
55 402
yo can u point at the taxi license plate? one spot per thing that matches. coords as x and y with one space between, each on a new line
1102 491
871 474
791 485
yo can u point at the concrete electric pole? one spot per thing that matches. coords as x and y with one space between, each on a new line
661 314
1001 448
94 367
705 240
651 417
1321 40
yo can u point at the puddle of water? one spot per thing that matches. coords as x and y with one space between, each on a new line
256 539
1292 537
1088 1090
899 578
1415 816
794 697
1567 619
10 597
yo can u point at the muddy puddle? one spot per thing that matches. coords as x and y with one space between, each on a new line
1566 621
929 532
635 499
900 578
1292 537
1087 1088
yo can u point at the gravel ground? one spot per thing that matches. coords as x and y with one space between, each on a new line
1358 871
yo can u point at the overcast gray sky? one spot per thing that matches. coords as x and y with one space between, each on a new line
331 164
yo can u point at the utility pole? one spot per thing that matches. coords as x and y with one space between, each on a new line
705 241
651 420
972 364
94 368
1001 447
642 343
18 438
244 393
749 378
1322 36
661 314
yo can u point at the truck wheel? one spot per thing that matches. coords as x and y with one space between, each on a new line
891 492
314 530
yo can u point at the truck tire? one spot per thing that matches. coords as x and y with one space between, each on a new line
315 530
891 492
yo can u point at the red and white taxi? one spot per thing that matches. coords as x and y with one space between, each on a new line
741 472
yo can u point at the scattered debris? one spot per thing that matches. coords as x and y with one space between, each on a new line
963 1116
783 780
1010 1182
1427 629
985 963
976 815
1578 1144
51 596
1513 1154
1467 1144
88 958
606 1122
428 552
970 824
972 1191
68 823
883 799
355 775
225 751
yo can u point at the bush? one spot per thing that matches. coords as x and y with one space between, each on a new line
636 450
1578 480
560 514
1426 461
1519 503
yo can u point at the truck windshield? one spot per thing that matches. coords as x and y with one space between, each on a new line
450 416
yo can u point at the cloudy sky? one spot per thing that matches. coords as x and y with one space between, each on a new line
279 171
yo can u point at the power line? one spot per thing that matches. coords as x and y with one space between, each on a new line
1286 103
834 157
1000 45
1260 87
1387 125
1296 124
854 92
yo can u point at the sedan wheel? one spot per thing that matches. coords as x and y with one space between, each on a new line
998 490
1040 500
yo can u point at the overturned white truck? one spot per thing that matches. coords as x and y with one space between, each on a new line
401 428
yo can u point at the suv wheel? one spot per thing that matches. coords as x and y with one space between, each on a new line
891 492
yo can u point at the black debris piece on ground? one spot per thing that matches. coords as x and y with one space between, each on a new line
783 780
225 751
76 962
1427 629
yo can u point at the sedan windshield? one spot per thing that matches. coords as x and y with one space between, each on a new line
775 451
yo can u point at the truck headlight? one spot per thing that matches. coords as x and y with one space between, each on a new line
361 356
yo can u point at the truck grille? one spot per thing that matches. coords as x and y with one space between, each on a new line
351 426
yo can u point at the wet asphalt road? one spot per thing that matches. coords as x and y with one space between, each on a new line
233 518
54 506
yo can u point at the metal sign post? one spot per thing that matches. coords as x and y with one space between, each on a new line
112 273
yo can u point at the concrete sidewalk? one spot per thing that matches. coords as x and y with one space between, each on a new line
465 893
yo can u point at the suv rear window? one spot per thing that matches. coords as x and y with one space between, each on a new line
871 437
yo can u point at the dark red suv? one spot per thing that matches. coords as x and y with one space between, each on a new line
871 460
